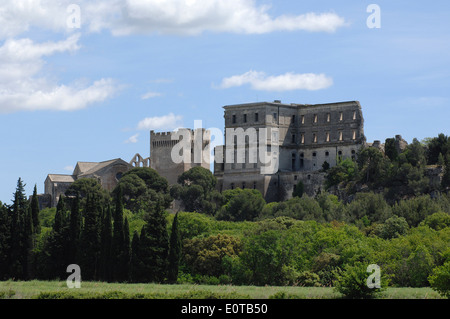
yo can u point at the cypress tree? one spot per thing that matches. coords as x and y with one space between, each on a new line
58 243
106 243
174 251
90 240
35 212
19 245
154 246
118 237
75 226
126 253
136 262
5 241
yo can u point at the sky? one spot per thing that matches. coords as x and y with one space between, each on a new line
87 80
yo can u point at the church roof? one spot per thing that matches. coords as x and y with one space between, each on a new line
59 178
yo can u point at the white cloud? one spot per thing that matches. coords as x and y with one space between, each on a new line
166 122
186 17
150 95
196 16
285 82
133 139
69 168
22 90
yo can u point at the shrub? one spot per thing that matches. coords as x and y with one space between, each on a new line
352 282
440 279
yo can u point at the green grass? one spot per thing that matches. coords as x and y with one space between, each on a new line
101 290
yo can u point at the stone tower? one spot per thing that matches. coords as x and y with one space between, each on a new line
164 144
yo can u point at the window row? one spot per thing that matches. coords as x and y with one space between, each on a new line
315 117
327 137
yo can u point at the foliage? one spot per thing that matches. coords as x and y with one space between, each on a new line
440 279
393 227
298 189
352 282
174 251
345 171
241 204
205 255
196 190
143 188
85 186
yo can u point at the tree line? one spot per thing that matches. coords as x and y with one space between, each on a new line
235 236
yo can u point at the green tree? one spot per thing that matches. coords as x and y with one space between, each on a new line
305 208
416 209
394 227
373 167
370 206
154 247
436 146
58 243
298 189
126 259
20 234
390 150
85 186
35 212
352 282
205 256
5 241
440 279
196 190
137 265
174 251
437 221
241 204
106 261
344 172
118 240
75 226
143 188
90 239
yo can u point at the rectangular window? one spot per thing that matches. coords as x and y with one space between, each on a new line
303 119
328 117
340 136
315 118
293 119
256 117
354 115
354 135
303 138
341 116
314 138
327 138
274 116
245 118
233 119
293 138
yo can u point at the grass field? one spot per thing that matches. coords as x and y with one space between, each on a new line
100 290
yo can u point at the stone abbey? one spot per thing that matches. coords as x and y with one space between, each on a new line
302 138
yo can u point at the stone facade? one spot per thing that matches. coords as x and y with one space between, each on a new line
108 174
307 137
162 144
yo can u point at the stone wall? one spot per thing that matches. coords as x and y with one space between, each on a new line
307 137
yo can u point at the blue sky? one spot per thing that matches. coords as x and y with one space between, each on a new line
92 93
